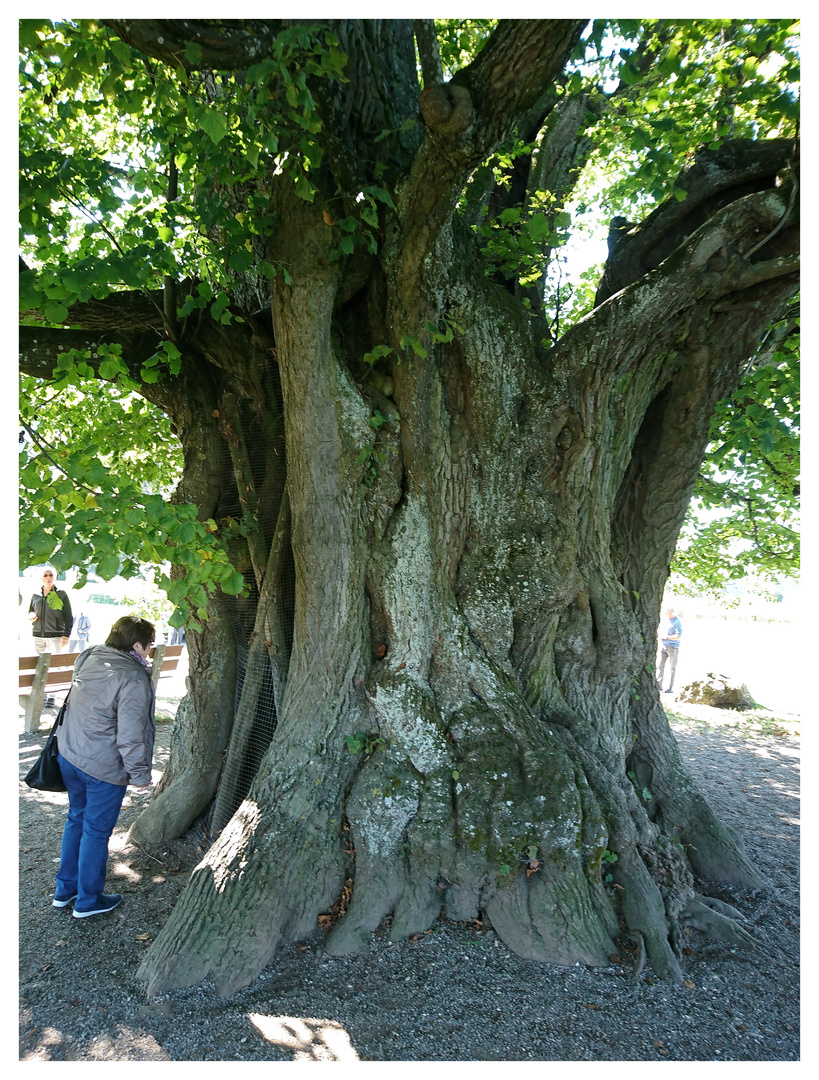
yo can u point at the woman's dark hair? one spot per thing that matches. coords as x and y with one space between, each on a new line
127 630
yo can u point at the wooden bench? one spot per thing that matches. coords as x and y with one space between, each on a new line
51 673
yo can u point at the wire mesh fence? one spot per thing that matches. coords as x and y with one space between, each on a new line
255 469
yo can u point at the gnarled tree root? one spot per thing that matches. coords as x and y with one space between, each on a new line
507 825
718 921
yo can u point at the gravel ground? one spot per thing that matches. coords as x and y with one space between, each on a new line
455 993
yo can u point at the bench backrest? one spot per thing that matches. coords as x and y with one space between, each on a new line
61 667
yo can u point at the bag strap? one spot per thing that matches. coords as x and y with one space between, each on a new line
59 718
61 713
57 722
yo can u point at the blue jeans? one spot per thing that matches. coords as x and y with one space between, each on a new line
93 809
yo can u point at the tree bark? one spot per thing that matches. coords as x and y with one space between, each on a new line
486 610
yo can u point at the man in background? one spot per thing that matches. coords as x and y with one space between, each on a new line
79 638
670 634
51 626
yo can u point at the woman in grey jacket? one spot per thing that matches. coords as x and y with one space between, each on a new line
106 742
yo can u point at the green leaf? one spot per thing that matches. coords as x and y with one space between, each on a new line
234 584
108 567
376 354
54 313
538 227
214 124
381 193
241 260
110 368
414 344
305 190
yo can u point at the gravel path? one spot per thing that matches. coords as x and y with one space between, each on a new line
455 993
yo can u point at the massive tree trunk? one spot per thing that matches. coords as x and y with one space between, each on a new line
483 618
445 693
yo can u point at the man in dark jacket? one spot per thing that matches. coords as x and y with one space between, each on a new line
51 626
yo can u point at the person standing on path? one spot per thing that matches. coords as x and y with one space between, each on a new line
106 742
671 633
51 626
82 628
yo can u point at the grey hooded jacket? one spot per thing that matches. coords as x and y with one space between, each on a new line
108 729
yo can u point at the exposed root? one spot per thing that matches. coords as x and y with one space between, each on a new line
265 880
640 958
713 851
645 913
723 908
381 804
717 920
721 922
496 819
515 834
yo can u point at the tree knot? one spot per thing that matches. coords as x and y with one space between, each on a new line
447 109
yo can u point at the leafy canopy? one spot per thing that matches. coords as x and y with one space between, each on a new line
744 516
678 86
114 178
96 470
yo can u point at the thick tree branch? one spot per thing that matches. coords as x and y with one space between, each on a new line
681 335
521 60
41 345
127 312
427 42
199 44
742 276
470 116
715 179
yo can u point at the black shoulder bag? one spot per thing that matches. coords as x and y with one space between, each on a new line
45 774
